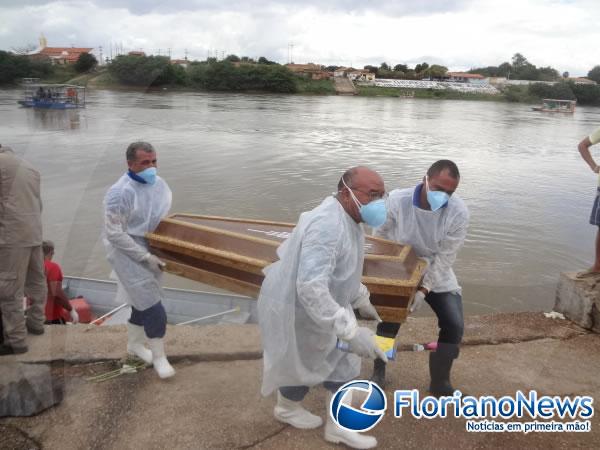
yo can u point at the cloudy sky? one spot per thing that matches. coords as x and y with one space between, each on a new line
458 34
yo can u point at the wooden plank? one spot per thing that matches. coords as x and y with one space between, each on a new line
212 279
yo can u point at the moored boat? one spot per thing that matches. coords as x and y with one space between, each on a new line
53 96
556 105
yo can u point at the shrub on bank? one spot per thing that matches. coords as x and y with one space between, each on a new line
587 94
560 91
224 76
146 70
13 67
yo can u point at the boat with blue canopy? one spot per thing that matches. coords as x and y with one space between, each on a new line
53 96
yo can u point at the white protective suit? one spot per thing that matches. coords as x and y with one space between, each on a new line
436 236
306 299
132 209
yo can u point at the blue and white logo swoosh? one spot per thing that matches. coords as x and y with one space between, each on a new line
358 419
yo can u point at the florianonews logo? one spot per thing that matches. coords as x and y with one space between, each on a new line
360 419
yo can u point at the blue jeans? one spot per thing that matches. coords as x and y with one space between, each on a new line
449 311
297 393
153 319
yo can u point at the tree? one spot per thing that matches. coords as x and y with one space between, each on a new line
565 75
263 60
13 67
435 71
143 70
419 68
504 70
85 62
232 58
594 74
384 66
518 61
560 91
371 69
400 68
587 94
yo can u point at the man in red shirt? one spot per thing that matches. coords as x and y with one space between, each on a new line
57 299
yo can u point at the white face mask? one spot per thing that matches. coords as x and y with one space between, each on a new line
373 213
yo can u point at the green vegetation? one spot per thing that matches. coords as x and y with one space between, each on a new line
85 62
224 76
146 70
373 91
316 87
519 69
13 67
594 74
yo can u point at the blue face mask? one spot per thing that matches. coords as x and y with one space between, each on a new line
373 213
436 199
148 175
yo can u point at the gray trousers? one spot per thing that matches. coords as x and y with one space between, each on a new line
21 274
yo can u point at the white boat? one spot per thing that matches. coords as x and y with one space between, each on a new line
181 305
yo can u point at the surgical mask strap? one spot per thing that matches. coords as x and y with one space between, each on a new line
358 204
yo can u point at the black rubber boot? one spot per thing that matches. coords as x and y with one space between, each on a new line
379 372
440 365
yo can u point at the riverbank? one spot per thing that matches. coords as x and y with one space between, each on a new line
103 79
214 400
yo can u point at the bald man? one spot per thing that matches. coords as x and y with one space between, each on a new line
307 299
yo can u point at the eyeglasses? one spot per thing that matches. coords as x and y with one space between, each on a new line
373 195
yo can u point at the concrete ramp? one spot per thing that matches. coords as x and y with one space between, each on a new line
344 86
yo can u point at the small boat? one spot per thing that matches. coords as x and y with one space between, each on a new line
231 253
181 305
53 96
555 105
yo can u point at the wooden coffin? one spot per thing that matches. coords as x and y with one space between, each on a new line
231 254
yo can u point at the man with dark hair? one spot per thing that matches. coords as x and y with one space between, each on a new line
57 300
21 257
307 299
434 221
134 206
584 150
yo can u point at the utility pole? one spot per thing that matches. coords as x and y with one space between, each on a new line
100 54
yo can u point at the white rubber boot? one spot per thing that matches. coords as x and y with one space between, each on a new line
159 360
135 343
337 435
292 412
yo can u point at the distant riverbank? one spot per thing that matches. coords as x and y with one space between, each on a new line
104 79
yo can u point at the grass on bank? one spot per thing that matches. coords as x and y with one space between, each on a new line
374 91
316 87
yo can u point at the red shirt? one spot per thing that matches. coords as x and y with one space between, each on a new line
53 273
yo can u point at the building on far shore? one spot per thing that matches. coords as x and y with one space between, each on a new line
463 77
136 53
310 70
581 80
57 55
180 62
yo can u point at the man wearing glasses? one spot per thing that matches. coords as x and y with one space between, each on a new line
434 221
306 303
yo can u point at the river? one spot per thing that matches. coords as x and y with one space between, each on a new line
274 156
